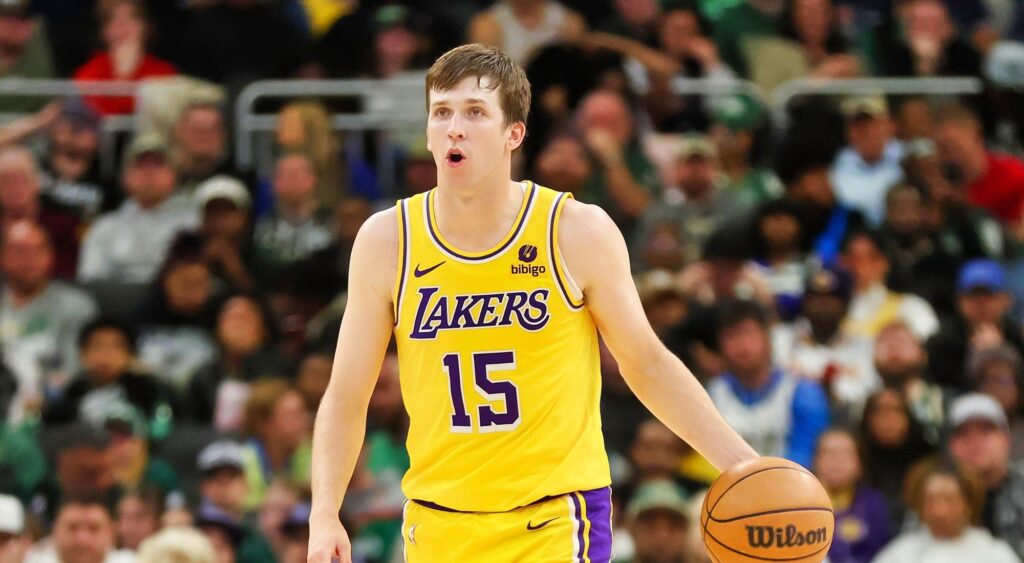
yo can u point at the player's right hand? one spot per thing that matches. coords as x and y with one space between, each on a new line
328 541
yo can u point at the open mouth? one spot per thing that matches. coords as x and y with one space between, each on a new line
455 157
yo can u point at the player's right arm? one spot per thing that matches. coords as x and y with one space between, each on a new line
341 421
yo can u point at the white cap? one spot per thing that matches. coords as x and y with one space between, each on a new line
223 453
976 406
222 187
12 515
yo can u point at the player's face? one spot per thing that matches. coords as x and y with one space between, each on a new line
467 135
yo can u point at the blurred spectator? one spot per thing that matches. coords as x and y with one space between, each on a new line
739 131
177 544
312 379
222 531
635 19
621 411
780 252
737 24
376 504
624 181
681 36
42 317
991 181
131 461
982 321
694 200
827 222
521 27
24 52
775 412
400 45
298 225
199 148
174 327
125 33
663 299
980 445
296 534
810 44
245 336
947 502
223 489
563 164
305 127
892 441
874 305
279 504
902 363
225 226
330 264
921 262
20 200
22 465
658 521
865 170
815 347
138 516
862 514
999 373
71 172
278 426
130 244
655 455
228 43
724 273
14 542
926 44
107 351
83 532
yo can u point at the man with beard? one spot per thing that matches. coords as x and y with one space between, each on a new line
815 347
901 361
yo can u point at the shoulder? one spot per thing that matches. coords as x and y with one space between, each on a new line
380 229
584 220
71 296
104 225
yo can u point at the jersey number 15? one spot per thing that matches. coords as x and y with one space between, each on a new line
493 390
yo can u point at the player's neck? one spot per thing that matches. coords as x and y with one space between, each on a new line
478 217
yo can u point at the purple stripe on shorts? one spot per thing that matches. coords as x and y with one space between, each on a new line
599 513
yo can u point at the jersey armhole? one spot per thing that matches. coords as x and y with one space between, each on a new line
568 287
402 214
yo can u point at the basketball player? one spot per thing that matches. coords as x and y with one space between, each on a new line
495 291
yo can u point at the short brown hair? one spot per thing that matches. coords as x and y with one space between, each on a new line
263 398
477 60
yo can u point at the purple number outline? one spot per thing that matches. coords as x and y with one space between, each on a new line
500 390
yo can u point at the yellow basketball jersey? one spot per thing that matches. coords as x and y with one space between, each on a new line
498 364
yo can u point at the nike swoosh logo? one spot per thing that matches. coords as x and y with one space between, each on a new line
420 273
531 527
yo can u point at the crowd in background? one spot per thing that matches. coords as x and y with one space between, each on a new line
843 274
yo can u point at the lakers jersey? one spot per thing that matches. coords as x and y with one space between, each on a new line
499 364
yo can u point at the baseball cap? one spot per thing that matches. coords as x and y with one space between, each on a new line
657 283
297 519
12 515
738 113
695 145
981 274
657 495
145 143
79 115
222 453
976 406
830 280
871 106
210 515
126 417
222 187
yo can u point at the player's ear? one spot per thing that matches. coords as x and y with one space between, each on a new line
516 135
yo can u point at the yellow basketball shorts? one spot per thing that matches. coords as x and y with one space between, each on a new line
572 527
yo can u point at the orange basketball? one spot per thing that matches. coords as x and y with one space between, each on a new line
767 509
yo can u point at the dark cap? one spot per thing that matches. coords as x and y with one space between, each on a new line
210 515
726 244
80 115
830 280
297 520
981 274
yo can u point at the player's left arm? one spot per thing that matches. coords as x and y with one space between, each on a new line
596 257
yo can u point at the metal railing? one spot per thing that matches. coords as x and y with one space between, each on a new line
952 86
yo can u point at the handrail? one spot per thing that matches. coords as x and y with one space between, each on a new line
929 86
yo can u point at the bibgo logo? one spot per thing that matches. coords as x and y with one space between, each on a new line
767 536
527 269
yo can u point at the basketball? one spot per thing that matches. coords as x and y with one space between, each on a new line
767 509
